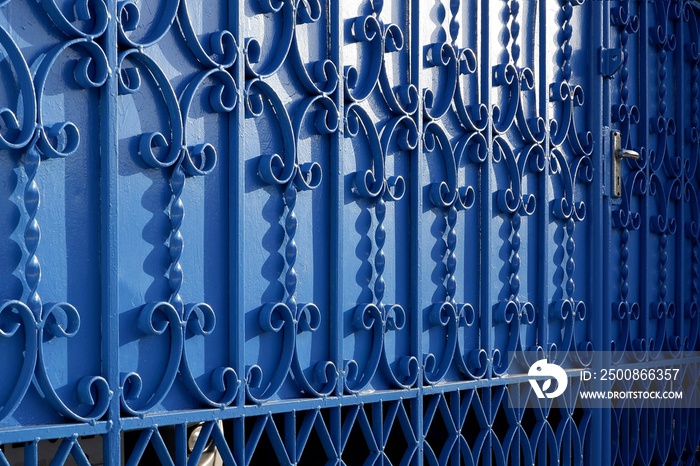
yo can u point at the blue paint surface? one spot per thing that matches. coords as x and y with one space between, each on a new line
325 231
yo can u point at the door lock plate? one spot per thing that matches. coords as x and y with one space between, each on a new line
618 153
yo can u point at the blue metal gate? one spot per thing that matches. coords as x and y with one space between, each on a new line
321 231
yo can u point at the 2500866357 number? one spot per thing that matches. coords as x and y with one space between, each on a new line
639 374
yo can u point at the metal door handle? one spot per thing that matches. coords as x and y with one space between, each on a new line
627 154
618 154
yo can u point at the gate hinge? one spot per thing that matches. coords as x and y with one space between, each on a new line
610 61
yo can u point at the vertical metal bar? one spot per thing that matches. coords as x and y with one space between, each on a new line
109 238
237 233
180 444
485 190
680 256
600 292
289 436
239 453
337 192
645 283
485 213
31 453
418 167
335 421
543 270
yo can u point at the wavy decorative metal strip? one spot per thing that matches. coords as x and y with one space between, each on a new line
690 307
571 170
404 371
624 219
474 363
692 160
32 232
665 182
278 317
565 312
508 314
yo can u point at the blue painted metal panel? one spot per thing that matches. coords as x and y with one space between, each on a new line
322 231
653 225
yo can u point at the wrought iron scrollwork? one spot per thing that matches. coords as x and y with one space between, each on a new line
175 153
17 317
28 131
293 177
447 196
375 185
